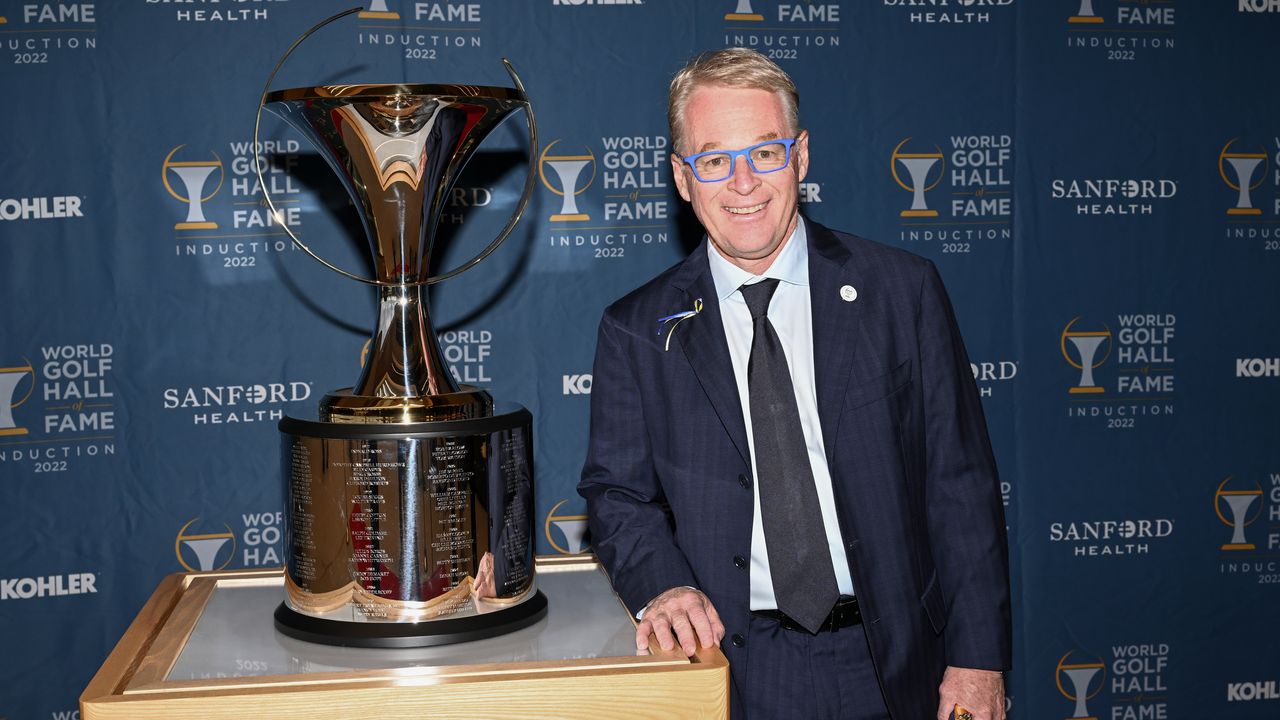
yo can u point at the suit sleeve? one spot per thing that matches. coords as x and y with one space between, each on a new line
630 527
967 535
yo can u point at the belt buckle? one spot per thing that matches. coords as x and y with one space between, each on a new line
846 613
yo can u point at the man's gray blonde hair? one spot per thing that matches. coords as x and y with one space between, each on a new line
731 67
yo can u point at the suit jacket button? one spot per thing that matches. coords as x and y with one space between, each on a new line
737 640
739 561
743 481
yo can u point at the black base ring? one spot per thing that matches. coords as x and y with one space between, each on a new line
410 635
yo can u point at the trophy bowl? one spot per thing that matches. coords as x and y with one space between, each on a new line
409 497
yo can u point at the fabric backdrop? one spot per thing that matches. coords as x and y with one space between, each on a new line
1098 182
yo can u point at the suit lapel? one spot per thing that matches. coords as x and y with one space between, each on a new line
703 342
835 325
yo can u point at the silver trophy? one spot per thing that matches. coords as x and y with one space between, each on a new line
409 499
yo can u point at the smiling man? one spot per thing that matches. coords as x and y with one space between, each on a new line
796 462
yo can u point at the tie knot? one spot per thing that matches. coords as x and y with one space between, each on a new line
758 296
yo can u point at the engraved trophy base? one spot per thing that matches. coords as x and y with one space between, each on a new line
408 534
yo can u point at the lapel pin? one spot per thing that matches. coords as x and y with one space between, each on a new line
671 321
848 293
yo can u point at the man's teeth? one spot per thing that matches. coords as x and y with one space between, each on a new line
746 210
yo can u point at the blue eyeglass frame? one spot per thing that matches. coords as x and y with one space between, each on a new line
744 152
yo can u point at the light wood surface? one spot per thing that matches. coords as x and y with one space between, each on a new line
131 682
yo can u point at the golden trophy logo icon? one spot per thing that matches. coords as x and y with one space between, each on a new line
573 528
744 13
1238 502
1085 15
1087 344
1080 675
568 168
1243 164
194 175
10 380
378 11
205 547
918 166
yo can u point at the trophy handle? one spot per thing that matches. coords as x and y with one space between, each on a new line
506 230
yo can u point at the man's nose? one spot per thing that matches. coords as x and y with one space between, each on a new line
744 180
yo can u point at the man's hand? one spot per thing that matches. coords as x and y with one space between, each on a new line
685 612
981 692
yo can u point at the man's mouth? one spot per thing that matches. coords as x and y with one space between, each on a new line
750 210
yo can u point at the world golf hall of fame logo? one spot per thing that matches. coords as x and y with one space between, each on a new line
206 549
1084 680
919 167
194 176
12 395
568 170
1244 507
1245 166
572 529
1087 346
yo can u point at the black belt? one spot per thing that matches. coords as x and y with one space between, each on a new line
844 614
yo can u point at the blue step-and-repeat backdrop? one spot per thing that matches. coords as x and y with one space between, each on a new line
1097 180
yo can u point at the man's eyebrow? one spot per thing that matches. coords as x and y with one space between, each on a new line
716 145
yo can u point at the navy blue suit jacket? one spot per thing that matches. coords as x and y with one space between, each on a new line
668 477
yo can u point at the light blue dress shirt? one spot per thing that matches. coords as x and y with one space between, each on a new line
791 313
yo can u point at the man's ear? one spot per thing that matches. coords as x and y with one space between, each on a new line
800 154
681 177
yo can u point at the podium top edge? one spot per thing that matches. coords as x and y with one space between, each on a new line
369 92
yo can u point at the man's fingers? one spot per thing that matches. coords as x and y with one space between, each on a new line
681 616
684 633
662 631
702 626
716 625
642 637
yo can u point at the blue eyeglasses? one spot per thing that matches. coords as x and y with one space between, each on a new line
762 158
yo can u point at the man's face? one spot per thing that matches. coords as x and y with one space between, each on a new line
747 216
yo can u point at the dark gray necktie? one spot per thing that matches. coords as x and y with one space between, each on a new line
804 581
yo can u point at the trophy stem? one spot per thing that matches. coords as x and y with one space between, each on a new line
404 358
405 378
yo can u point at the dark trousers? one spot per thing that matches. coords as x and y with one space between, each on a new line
794 675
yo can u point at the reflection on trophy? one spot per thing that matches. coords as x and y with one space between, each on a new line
573 527
194 175
378 11
1086 345
744 12
1239 501
1080 675
1086 14
569 169
10 379
409 499
918 166
205 546
1244 164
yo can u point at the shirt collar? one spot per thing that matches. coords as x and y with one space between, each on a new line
791 265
